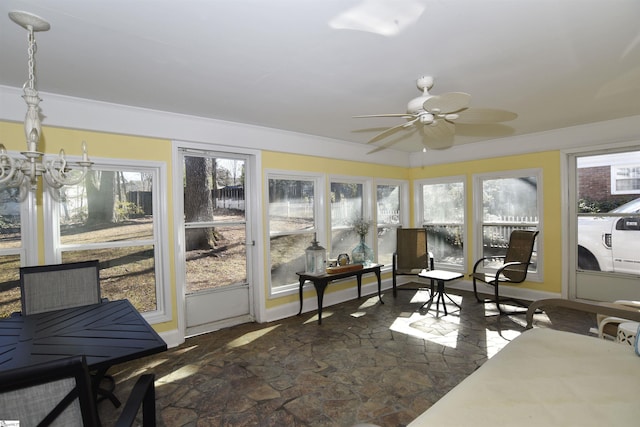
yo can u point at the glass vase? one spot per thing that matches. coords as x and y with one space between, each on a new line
362 254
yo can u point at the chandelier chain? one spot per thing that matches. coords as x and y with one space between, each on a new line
31 50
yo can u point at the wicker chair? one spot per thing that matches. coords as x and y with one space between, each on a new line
411 256
513 270
59 393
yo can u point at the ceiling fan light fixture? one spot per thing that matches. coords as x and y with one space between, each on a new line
427 119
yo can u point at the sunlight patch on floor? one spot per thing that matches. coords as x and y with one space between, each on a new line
427 327
179 374
420 297
369 302
314 318
496 340
250 337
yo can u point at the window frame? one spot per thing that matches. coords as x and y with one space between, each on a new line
367 212
478 215
403 205
419 214
319 220
160 240
614 179
26 253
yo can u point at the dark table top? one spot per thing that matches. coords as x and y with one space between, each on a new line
334 276
107 334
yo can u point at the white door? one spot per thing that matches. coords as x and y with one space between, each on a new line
606 224
216 241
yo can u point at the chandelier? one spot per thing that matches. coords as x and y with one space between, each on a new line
16 172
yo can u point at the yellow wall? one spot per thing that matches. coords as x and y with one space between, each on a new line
107 146
131 147
549 162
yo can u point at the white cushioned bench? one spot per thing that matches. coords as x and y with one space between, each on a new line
546 377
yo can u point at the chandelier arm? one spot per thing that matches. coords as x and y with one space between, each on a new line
57 174
8 166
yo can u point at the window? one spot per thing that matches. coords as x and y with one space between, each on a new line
625 179
505 202
442 212
114 215
14 240
348 203
294 217
390 198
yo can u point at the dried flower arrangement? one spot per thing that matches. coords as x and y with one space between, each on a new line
361 226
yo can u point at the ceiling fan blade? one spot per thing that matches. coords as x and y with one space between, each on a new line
489 130
485 115
440 136
405 115
394 141
447 102
389 131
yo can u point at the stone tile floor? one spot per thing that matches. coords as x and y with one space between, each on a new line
366 363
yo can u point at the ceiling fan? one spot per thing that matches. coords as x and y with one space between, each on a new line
434 116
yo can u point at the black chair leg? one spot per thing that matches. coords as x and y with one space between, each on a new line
395 291
475 291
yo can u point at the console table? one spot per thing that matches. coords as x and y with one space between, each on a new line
321 281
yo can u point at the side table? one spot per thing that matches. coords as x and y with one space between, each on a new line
440 276
321 281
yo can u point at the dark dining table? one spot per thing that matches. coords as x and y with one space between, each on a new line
107 333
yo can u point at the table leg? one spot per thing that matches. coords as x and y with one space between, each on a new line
320 287
359 279
301 284
439 294
101 393
441 297
377 271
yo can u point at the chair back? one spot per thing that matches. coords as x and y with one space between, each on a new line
54 393
520 250
57 286
411 249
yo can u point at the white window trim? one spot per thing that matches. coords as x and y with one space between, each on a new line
403 204
419 208
537 276
367 202
160 241
614 181
319 212
404 198
28 250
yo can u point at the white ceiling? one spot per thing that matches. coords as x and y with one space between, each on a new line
279 64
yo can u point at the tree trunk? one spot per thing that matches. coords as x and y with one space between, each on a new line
198 204
100 197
